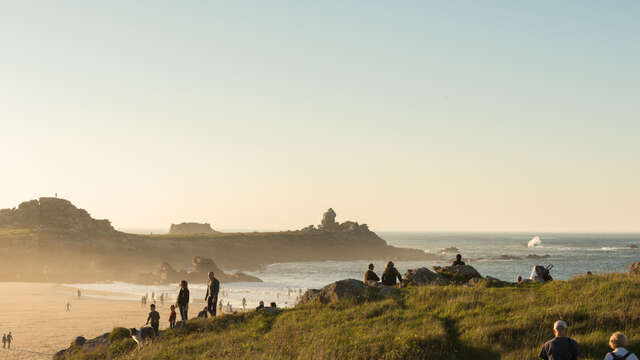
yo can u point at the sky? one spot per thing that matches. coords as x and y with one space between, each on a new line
412 115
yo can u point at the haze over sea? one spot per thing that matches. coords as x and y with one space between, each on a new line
570 253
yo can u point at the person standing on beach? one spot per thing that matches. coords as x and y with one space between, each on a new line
211 298
183 300
244 304
79 294
68 306
561 347
9 340
154 318
4 341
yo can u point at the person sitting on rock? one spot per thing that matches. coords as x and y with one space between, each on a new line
370 277
390 274
203 313
458 261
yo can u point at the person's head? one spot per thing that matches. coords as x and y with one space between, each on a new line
211 275
458 257
389 264
261 303
560 328
370 266
589 273
617 340
153 307
173 307
519 278
273 304
184 284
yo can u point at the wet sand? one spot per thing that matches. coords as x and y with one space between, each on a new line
36 315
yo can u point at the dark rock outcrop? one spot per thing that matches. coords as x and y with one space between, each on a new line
346 289
329 223
201 268
190 228
80 344
458 273
423 276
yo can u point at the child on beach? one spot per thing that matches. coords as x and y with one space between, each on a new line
172 317
154 318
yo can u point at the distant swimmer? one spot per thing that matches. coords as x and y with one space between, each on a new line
370 277
458 261
390 274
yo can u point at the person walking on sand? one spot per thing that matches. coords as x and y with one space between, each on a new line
172 317
4 341
183 301
68 306
370 277
244 304
390 274
618 342
154 318
9 340
79 294
561 347
213 288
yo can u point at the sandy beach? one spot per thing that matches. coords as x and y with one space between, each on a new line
36 315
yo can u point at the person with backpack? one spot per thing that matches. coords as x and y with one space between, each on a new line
617 342
561 347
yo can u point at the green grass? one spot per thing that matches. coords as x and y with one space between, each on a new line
7 232
452 322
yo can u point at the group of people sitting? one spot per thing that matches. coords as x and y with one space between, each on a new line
389 275
563 347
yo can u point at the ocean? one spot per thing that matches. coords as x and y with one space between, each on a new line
501 255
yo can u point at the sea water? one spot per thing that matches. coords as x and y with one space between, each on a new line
570 254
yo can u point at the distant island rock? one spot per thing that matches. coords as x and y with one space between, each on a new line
167 274
190 228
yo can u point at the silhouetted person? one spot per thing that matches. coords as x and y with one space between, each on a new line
79 294
589 273
519 279
154 318
68 306
172 317
458 261
213 288
9 340
244 304
390 274
370 276
203 313
561 347
260 305
183 300
4 341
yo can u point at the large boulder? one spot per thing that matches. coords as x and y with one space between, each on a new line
457 273
634 269
423 276
347 289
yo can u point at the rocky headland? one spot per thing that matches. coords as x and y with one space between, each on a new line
51 240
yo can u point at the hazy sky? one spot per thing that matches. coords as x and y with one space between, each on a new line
414 115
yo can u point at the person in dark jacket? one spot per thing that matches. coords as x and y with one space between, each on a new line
458 261
370 276
212 294
154 318
561 347
183 300
390 274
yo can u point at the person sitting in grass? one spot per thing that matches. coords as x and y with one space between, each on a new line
617 342
370 277
561 347
260 305
203 313
458 261
390 274
154 318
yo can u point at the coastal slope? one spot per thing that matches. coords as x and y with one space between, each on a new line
425 322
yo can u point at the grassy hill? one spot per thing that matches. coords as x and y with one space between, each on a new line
430 322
